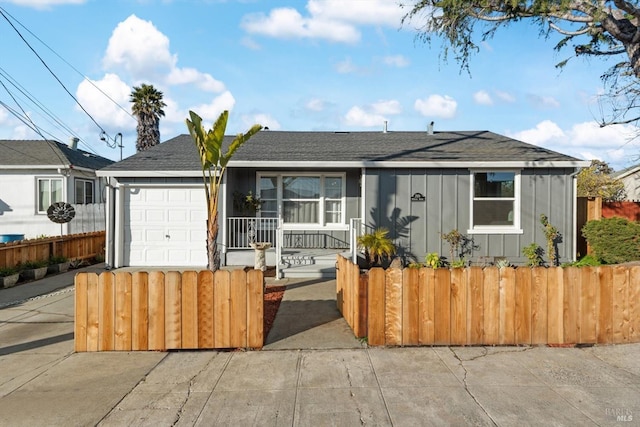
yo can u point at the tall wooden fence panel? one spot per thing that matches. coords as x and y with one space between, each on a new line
491 306
121 311
73 247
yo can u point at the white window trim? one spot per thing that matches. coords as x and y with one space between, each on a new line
37 192
84 181
516 228
321 225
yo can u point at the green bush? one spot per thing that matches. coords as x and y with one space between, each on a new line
57 260
534 253
7 271
613 240
586 261
28 265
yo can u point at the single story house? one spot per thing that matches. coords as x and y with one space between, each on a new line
318 190
630 177
35 174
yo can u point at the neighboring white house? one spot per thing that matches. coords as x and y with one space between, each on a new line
36 174
631 179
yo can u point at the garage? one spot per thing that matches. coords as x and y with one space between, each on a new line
165 226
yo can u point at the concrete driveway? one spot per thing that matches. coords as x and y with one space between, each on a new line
43 383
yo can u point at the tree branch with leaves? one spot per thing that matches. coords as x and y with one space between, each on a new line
596 28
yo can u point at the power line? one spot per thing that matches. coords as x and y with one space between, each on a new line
2 12
70 66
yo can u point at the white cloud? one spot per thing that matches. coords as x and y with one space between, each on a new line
357 116
139 48
437 106
399 61
346 67
544 132
333 20
505 96
249 43
204 81
544 101
315 104
586 140
263 119
101 108
482 97
387 107
44 4
210 112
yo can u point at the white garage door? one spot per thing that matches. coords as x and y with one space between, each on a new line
165 227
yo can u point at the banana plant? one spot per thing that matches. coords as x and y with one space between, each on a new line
214 160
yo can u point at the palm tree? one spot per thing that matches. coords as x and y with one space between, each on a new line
214 163
147 107
376 245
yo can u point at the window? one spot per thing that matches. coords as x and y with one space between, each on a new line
303 198
495 203
49 191
84 191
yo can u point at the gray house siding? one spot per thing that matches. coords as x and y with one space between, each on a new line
417 226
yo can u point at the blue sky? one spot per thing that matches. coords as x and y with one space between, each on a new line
290 65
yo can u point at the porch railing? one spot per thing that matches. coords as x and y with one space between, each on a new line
246 230
357 228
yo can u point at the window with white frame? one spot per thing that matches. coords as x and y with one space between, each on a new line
495 203
84 191
305 199
49 192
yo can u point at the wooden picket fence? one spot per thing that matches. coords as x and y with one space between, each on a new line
121 311
491 306
73 247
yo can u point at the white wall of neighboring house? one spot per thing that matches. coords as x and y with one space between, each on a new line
19 203
632 185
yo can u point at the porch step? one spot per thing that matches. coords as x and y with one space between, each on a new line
313 266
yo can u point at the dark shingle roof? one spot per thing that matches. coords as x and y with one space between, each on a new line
180 153
47 153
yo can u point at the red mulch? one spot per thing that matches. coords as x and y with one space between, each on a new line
272 297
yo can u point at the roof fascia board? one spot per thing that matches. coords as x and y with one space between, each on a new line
149 174
417 164
28 167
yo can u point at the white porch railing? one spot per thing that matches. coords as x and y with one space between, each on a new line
243 231
356 229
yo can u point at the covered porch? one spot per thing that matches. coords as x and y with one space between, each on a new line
295 252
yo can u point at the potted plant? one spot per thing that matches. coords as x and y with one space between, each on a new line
33 270
8 277
58 264
376 245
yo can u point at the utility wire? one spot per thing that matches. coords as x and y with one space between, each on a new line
70 66
49 69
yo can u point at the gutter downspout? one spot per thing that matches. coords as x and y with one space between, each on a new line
109 250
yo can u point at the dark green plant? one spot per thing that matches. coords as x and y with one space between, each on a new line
613 240
8 271
534 253
246 203
376 245
553 237
586 261
30 265
57 259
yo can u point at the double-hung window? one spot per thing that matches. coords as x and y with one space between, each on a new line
84 191
49 192
303 199
495 202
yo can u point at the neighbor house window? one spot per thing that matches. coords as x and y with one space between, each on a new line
49 192
84 191
495 201
305 199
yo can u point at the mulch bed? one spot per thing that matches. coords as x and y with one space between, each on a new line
272 297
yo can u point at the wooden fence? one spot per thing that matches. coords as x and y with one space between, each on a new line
73 247
491 306
124 311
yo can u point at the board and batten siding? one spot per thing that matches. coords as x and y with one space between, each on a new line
417 226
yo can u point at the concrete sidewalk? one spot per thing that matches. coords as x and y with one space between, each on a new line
43 383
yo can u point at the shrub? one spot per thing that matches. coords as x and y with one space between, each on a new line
28 265
586 261
534 253
376 245
613 240
8 271
57 260
433 260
